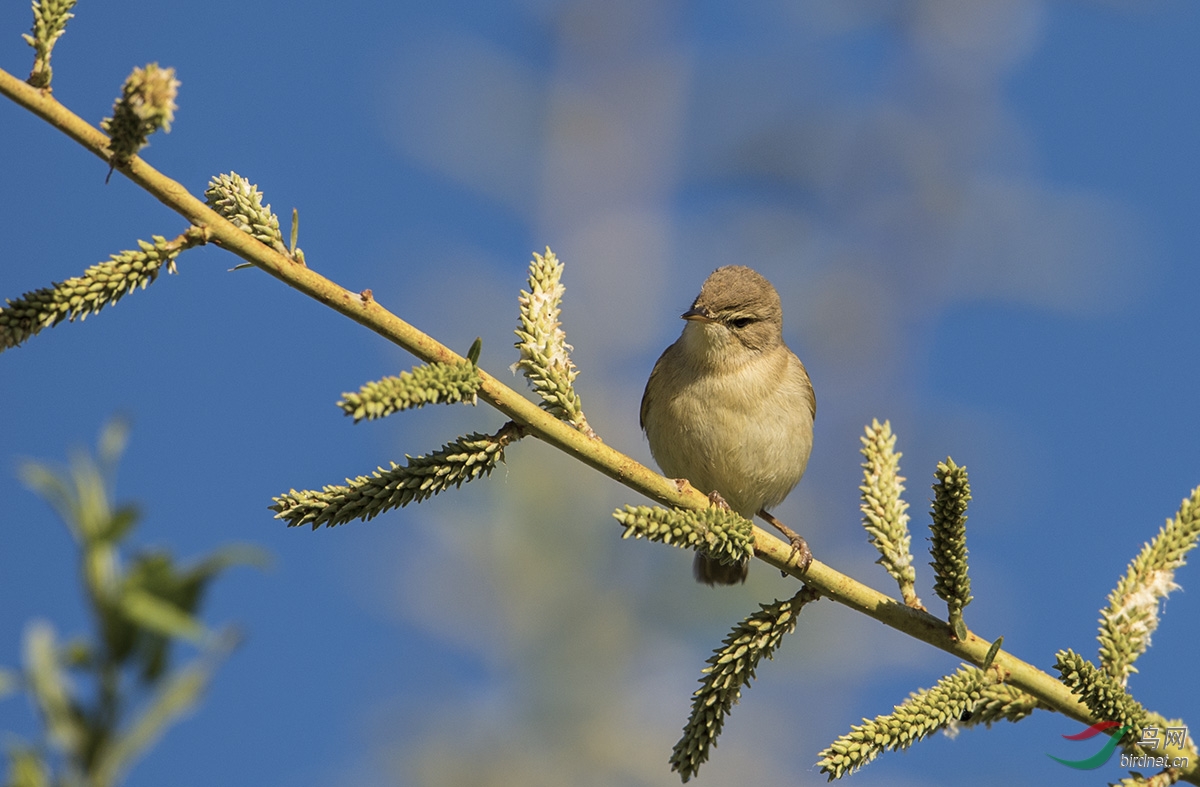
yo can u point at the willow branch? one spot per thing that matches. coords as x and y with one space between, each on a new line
364 310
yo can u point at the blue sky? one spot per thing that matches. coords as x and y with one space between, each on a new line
980 218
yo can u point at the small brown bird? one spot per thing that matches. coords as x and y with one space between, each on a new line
730 408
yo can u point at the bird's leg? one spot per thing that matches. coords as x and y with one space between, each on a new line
799 545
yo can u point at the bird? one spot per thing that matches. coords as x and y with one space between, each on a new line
729 408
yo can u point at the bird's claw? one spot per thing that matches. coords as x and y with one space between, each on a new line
800 552
715 498
801 555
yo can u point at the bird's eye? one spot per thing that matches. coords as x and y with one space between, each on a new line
741 322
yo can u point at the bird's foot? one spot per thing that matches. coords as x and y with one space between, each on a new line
715 498
801 555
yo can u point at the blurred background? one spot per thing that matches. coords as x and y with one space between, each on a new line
980 217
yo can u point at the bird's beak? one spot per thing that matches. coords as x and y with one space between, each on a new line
696 314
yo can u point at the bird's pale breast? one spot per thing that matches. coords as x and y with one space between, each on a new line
746 433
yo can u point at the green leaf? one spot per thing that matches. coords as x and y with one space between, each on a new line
77 654
182 588
177 695
50 689
159 616
991 654
54 489
119 524
114 437
295 231
227 557
27 768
